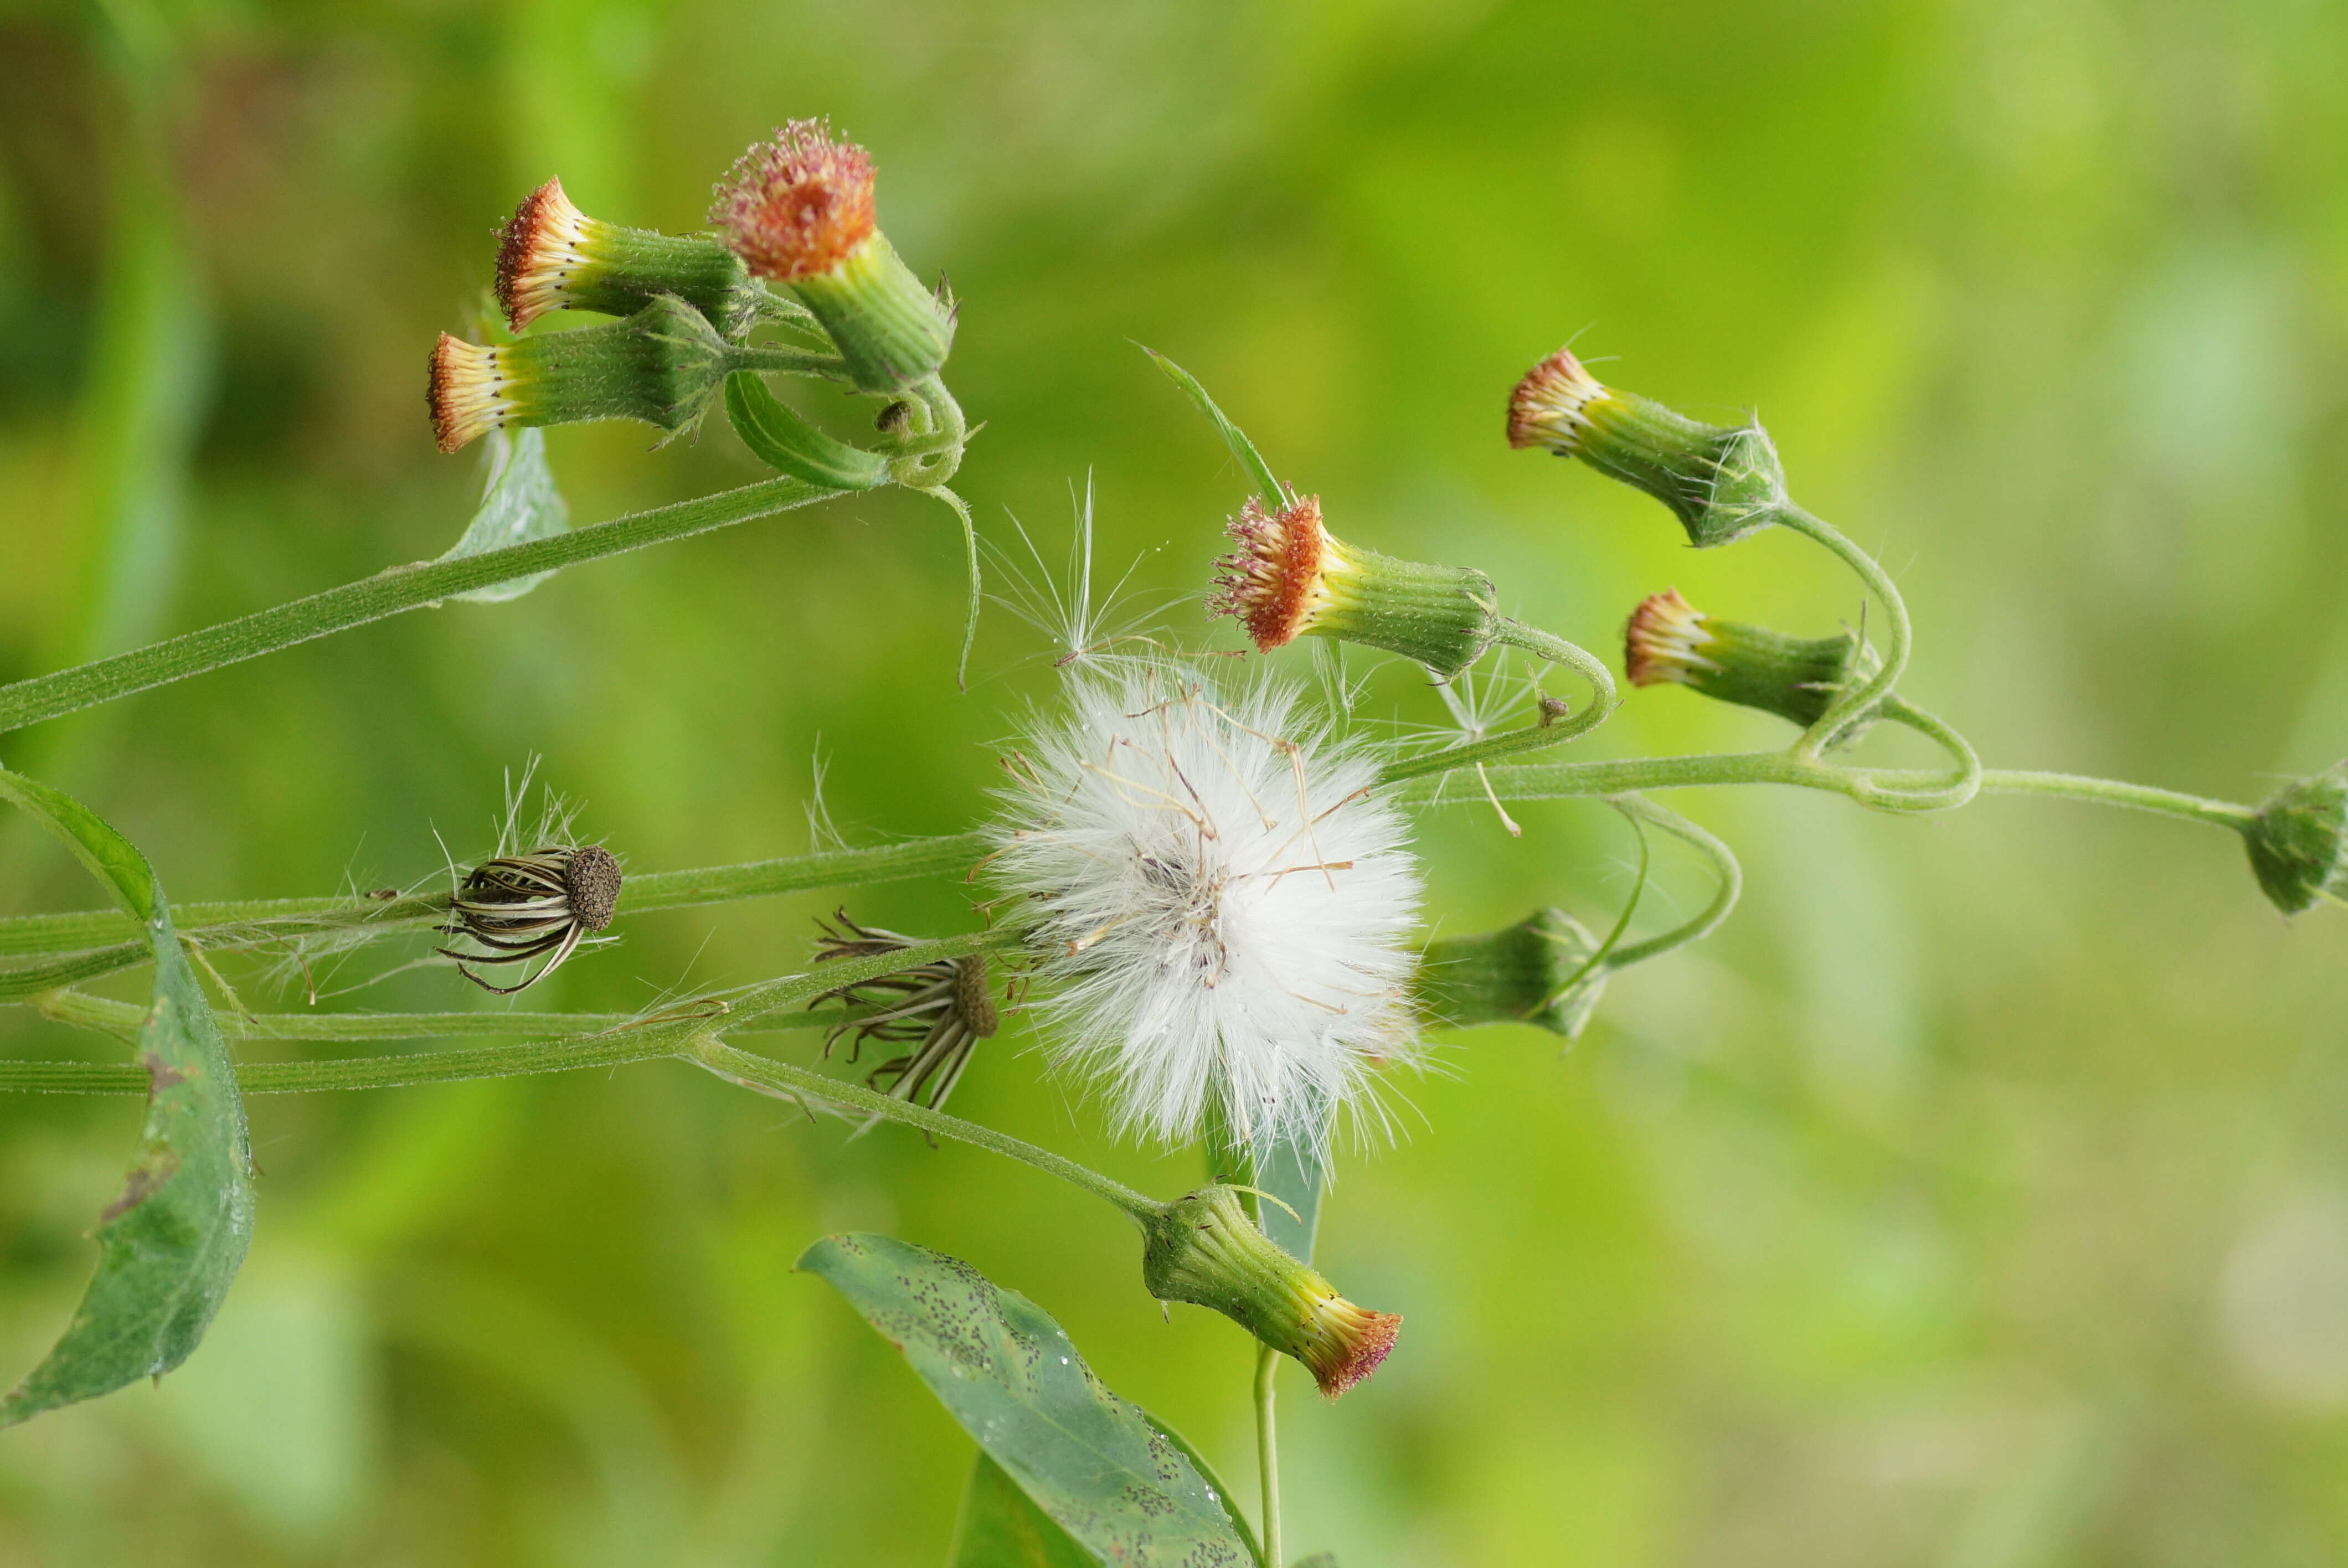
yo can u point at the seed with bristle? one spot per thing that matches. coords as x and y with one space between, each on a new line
540 905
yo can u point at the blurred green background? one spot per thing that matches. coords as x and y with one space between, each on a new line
1977 1199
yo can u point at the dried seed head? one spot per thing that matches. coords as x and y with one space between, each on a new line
942 1008
795 206
593 878
517 907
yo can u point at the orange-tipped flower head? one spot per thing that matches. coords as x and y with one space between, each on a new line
1290 577
1203 1248
798 209
1796 677
1723 482
662 365
468 395
551 257
795 206
1546 408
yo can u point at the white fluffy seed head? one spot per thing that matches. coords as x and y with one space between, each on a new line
1224 905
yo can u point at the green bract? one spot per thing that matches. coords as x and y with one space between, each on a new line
2299 841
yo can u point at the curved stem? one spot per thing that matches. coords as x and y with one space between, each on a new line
1574 657
1957 787
1898 635
1267 1450
122 1019
961 509
258 921
1724 864
386 593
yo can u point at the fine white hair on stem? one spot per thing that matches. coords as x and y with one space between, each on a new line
1224 907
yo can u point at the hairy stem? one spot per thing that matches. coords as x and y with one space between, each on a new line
1958 786
2117 791
1267 1450
259 921
1898 636
387 592
1580 661
123 1019
1724 864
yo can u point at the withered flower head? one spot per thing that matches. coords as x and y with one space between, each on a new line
795 206
540 905
942 1008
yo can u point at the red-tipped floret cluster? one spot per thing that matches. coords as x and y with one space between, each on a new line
795 206
1271 583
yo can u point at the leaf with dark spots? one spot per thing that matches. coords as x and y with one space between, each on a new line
1124 1488
171 1242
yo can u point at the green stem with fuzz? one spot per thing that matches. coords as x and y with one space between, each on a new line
1957 787
1580 661
124 1018
1897 638
1267 1450
386 593
258 921
2119 792
1724 864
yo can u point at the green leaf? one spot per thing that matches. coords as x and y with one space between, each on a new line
779 438
1112 1478
169 1245
1001 1529
520 505
1266 484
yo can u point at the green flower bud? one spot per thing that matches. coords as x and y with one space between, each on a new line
552 257
1536 971
1722 482
1796 677
798 209
1290 577
662 365
2299 841
1204 1249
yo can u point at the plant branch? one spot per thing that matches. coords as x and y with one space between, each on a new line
1899 636
1724 864
258 921
1267 1450
386 593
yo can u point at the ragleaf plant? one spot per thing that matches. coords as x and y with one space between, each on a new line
1199 881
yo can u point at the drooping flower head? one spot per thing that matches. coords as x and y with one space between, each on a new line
1223 903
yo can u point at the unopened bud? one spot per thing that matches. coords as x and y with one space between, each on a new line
1290 577
1204 1249
2299 841
552 257
1668 640
1723 482
1536 971
661 366
798 209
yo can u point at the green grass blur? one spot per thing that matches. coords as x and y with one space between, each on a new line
1977 1199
